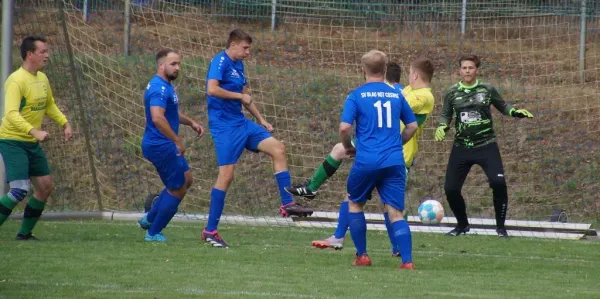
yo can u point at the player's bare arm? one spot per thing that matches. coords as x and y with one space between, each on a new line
187 121
409 131
215 90
345 131
160 121
254 111
68 131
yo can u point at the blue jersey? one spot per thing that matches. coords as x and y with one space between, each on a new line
160 93
224 113
398 87
377 109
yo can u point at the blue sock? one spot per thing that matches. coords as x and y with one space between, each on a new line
217 203
284 180
390 231
358 231
403 238
167 209
342 226
152 213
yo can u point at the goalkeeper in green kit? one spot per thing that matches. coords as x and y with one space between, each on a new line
475 141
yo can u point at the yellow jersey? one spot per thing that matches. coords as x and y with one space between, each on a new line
421 102
28 98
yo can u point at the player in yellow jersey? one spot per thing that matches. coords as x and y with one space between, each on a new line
419 97
28 98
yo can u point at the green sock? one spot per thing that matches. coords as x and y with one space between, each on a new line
6 207
324 172
32 214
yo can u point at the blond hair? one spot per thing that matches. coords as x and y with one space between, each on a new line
374 62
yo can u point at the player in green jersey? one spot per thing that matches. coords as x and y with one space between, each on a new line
475 141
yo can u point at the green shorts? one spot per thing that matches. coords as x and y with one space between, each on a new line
23 159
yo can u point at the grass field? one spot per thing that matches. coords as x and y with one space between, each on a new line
102 259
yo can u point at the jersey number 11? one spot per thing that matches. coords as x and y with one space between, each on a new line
388 113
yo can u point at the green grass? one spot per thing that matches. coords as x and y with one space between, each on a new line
102 259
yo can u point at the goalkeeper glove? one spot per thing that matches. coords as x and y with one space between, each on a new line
520 113
440 132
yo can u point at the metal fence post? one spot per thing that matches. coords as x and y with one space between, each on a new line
463 18
85 11
582 35
127 28
273 15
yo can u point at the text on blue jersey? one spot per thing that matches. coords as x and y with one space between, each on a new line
376 109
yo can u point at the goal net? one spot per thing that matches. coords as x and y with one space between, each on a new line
300 74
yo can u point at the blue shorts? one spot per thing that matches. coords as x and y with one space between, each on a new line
231 142
170 165
389 181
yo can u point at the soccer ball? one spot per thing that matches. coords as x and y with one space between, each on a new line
431 211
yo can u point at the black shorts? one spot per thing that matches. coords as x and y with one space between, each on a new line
463 158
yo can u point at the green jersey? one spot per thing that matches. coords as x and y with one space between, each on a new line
470 105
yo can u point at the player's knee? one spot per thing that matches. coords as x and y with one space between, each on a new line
452 192
355 207
44 189
278 149
18 190
180 192
394 214
226 176
498 185
338 152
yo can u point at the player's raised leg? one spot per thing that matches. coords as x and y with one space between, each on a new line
276 150
326 170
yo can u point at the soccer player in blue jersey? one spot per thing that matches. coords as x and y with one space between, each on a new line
330 165
377 109
232 132
335 158
162 145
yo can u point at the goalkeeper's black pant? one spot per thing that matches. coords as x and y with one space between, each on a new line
460 163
